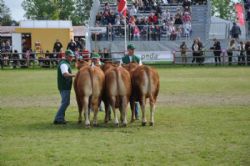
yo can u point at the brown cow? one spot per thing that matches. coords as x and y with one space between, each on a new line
117 91
88 85
145 84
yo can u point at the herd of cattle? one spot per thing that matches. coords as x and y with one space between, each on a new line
116 85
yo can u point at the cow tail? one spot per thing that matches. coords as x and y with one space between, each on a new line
148 73
91 69
117 79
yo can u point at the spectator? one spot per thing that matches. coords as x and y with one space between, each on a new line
186 5
231 48
106 55
241 57
110 32
235 31
15 58
166 15
57 46
217 51
247 48
196 47
183 49
187 28
133 11
106 7
71 45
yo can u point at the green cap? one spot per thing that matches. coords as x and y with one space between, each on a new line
131 47
69 53
95 56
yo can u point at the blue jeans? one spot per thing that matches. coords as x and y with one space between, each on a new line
136 110
65 95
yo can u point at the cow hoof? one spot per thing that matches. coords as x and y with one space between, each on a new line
124 124
143 123
95 125
116 124
87 126
79 122
132 120
151 124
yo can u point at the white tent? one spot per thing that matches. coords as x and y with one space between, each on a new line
220 28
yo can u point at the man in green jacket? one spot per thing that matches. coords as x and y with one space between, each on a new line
132 58
64 84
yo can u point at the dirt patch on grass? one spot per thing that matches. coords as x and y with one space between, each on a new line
178 100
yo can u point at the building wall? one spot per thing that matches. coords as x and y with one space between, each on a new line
48 36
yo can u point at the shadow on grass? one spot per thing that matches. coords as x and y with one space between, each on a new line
47 126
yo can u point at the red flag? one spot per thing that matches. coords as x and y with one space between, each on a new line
122 7
240 15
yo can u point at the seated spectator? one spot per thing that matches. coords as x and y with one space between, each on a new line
111 18
99 17
166 15
178 20
133 11
139 4
186 17
152 18
106 8
187 28
186 5
173 33
110 32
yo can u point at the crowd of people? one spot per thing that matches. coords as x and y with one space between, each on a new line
153 25
236 52
47 59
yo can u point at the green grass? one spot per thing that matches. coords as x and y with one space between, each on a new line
202 118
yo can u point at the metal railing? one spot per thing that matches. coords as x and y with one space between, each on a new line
208 57
144 33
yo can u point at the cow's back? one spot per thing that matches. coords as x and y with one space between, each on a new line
145 81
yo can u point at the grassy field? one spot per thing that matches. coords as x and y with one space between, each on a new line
202 118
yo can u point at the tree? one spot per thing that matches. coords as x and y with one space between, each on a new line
75 10
82 11
5 17
40 9
223 9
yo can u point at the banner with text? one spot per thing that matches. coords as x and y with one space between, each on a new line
155 56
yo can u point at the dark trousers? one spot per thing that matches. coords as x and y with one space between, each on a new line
230 57
217 58
241 59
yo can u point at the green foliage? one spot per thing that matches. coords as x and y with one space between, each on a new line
5 17
223 9
75 10
202 118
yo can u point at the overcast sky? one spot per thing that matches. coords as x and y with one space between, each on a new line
16 10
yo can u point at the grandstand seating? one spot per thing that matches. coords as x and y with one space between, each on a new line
200 24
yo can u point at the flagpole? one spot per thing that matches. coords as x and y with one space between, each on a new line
125 35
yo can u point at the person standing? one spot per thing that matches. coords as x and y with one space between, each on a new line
217 51
196 52
57 46
72 45
247 48
64 83
183 49
241 57
231 48
235 31
132 58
